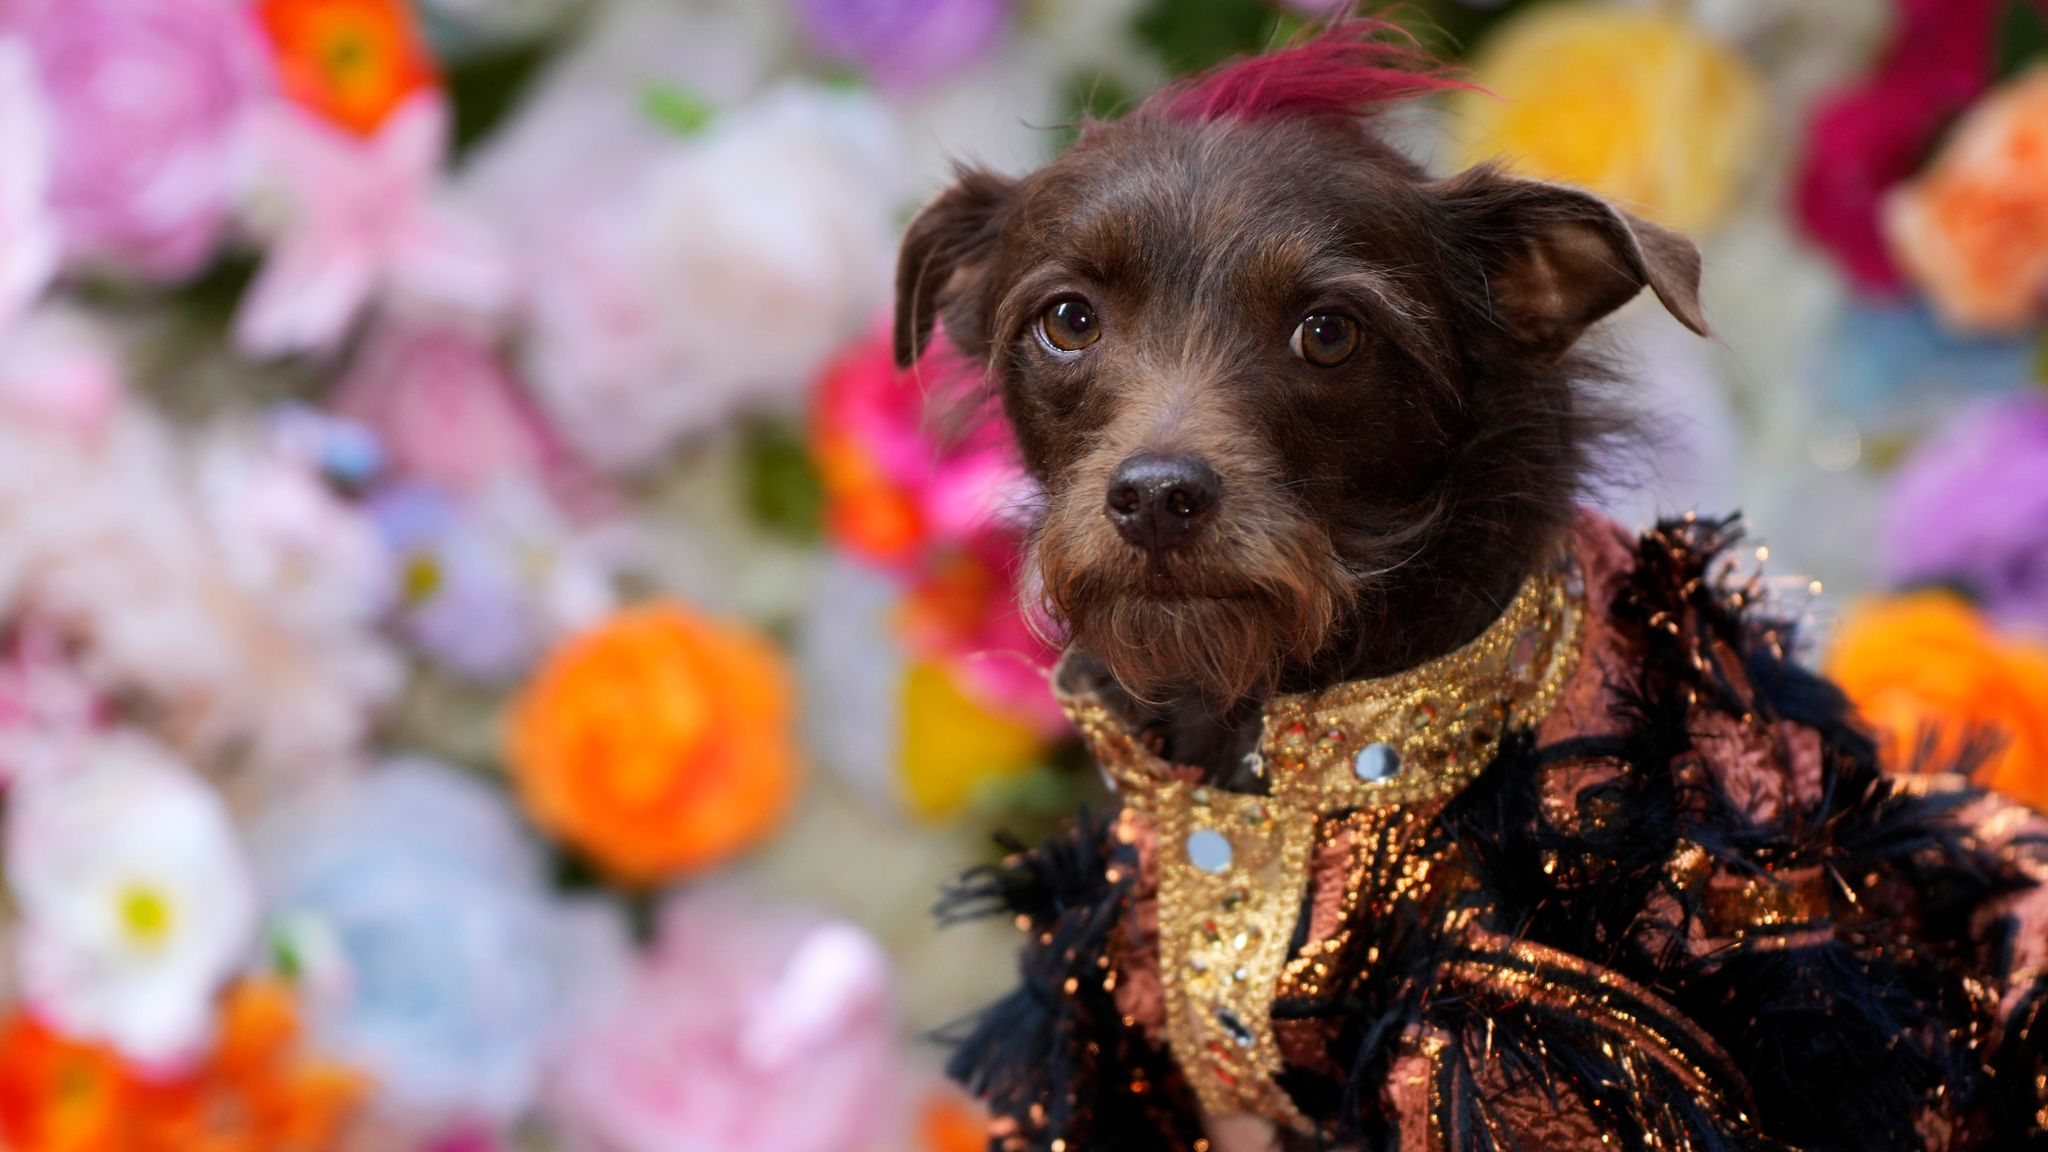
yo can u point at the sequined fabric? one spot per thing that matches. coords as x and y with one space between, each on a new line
1676 906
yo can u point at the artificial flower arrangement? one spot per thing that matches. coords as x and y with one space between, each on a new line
463 539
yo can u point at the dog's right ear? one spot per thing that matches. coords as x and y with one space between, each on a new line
943 267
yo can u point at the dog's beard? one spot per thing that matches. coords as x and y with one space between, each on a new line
1224 617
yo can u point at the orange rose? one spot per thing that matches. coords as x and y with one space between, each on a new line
1973 229
1926 666
253 1094
659 743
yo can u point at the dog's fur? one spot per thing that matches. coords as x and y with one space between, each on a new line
1372 514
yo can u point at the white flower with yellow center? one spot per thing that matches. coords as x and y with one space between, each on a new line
134 897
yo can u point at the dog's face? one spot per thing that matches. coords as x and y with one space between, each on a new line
1251 363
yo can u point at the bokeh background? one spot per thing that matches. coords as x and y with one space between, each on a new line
492 656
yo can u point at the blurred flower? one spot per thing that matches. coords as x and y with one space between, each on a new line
903 44
914 731
738 263
657 744
488 582
58 371
1928 672
353 62
744 1029
963 609
227 591
1972 230
254 1092
954 746
1970 507
1871 136
359 217
948 1122
28 234
46 704
311 574
1639 106
135 900
149 104
418 912
445 407
893 487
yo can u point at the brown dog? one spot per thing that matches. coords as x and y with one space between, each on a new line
1301 413
1450 817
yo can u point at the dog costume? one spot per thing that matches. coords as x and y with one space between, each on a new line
1619 873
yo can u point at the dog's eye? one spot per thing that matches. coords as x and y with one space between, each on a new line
1325 339
1070 325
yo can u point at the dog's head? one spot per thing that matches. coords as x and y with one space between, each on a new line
1280 387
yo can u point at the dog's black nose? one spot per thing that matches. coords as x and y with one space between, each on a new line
1158 502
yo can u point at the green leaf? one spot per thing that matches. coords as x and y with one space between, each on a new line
677 109
781 483
2022 38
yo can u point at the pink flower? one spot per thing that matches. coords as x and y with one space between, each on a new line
59 372
894 485
744 1029
150 102
28 236
363 217
943 511
1868 138
446 408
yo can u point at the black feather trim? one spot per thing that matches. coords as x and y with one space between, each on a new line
1054 1057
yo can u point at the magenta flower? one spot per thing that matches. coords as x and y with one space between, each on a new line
150 102
903 45
1970 508
1867 138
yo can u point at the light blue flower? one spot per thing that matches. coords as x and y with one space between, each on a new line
419 912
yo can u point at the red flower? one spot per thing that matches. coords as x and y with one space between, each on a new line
1870 137
352 61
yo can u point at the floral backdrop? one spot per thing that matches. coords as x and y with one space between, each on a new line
493 654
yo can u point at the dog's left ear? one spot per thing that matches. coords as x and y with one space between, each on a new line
942 269
1556 259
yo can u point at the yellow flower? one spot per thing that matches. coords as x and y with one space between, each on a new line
954 746
1640 107
1926 667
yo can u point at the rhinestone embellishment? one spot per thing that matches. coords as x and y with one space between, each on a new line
1376 762
1209 850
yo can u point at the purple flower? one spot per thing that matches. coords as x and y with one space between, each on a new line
1970 507
149 101
904 45
488 580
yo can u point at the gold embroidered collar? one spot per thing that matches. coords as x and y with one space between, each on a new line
1233 867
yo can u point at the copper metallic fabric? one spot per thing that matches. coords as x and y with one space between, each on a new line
1619 873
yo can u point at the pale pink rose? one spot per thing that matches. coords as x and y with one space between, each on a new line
28 235
445 407
1972 230
358 220
744 1029
150 102
59 372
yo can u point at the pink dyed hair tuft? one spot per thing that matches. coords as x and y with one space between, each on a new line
1350 68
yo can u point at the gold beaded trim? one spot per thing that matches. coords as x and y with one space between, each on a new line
1233 867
